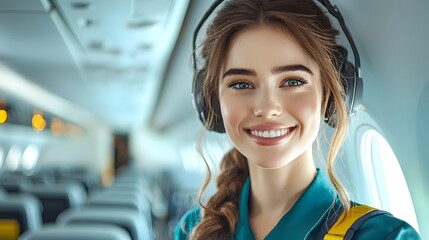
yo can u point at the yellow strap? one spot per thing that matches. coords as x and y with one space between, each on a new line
9 229
339 230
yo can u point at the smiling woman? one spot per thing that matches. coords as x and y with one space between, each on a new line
272 72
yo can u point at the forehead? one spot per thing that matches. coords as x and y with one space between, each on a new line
266 46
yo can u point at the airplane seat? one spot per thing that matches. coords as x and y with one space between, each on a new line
131 176
58 197
127 201
73 181
89 181
139 186
107 193
77 232
128 196
128 219
121 199
42 179
15 184
18 214
135 186
130 182
128 171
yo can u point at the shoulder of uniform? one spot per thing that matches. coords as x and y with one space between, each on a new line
386 226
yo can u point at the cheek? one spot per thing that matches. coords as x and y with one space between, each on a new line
306 107
229 111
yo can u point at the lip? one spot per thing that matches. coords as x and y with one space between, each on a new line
269 141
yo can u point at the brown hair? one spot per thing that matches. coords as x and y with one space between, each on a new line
304 20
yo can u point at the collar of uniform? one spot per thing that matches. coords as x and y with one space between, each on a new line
302 218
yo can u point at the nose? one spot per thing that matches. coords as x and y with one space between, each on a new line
267 105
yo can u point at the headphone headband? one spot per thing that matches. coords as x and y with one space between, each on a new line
335 12
197 29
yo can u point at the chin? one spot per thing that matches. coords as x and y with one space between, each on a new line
271 164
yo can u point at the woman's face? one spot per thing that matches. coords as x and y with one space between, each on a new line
270 97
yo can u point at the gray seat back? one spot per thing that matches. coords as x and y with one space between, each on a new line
56 198
15 184
21 212
130 220
77 232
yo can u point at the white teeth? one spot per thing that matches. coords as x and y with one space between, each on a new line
269 134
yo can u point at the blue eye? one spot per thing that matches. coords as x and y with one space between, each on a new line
241 85
294 82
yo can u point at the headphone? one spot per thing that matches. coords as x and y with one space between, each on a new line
350 76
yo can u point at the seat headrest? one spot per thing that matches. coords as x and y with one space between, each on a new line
77 232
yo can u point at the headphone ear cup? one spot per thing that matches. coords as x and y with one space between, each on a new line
348 77
201 106
217 125
197 93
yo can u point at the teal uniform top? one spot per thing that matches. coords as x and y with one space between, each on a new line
306 218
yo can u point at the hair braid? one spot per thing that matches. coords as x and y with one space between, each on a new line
221 211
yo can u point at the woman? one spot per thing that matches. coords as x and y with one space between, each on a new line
270 67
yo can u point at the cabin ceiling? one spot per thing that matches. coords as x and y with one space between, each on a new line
107 57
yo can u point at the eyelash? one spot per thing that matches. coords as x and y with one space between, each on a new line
234 84
301 81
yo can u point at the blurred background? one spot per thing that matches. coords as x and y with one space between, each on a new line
95 100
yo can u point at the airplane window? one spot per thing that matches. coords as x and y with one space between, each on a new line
29 157
13 158
384 176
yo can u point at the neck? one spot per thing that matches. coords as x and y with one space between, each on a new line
275 191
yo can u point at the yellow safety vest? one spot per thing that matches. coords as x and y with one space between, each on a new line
345 227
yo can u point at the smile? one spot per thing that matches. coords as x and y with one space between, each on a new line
270 137
270 134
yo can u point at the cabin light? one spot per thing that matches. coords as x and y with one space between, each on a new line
75 130
29 157
57 127
3 116
13 158
71 130
38 122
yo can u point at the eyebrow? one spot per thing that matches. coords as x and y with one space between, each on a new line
239 71
275 70
289 68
